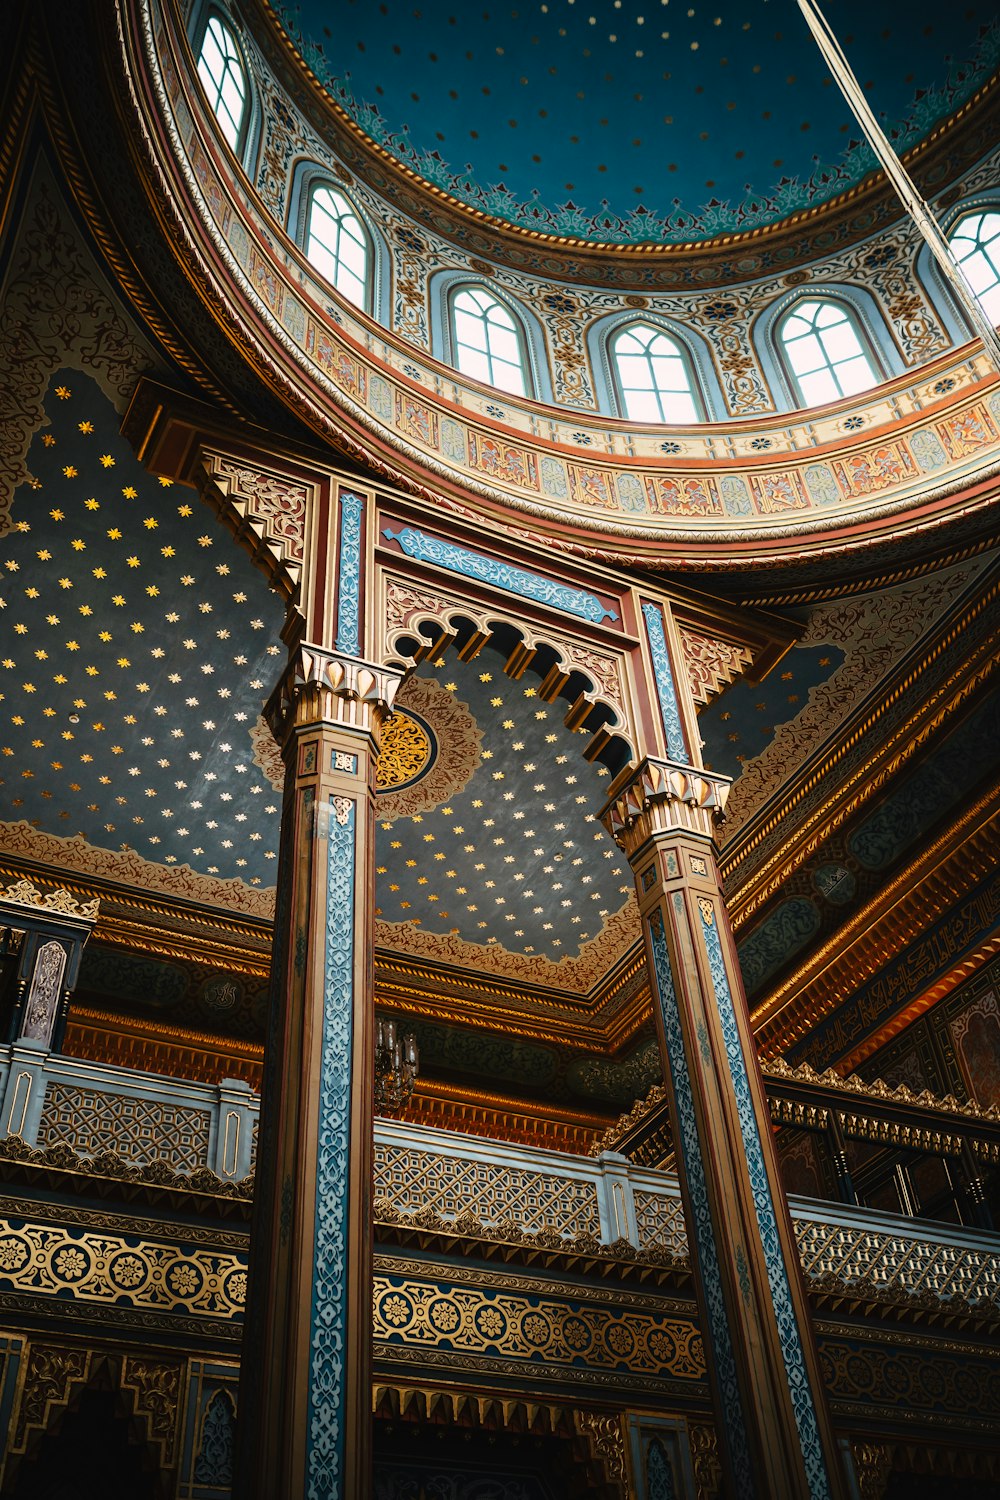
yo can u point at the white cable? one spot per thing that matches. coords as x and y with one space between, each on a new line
901 180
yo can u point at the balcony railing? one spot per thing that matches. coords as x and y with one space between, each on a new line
437 1178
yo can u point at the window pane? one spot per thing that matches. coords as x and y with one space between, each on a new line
470 330
818 387
991 302
503 344
832 360
635 372
642 406
856 375
487 341
841 342
336 244
669 374
220 69
473 362
680 407
509 378
653 376
805 354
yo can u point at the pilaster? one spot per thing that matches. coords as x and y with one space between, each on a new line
305 1391
775 1438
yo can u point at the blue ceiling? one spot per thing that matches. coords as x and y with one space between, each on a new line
516 858
138 647
739 724
632 120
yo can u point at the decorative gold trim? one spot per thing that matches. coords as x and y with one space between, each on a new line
881 929
872 187
59 902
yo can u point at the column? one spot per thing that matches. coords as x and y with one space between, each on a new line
774 1434
305 1381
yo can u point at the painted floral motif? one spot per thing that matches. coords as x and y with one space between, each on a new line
396 1310
967 432
589 486
70 1263
13 1253
415 420
503 461
683 497
266 754
778 492
536 1329
491 1322
183 1280
128 1271
444 1316
877 469
451 759
266 283
620 1340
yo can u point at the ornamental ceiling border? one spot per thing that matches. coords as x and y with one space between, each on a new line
727 238
20 842
441 439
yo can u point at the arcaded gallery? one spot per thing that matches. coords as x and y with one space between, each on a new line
499 750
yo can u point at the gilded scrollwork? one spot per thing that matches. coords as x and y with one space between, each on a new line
60 900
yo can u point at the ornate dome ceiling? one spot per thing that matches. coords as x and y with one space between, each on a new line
636 120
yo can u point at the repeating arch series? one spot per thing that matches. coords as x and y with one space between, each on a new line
817 346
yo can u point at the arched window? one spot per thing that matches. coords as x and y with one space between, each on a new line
486 340
337 243
975 240
823 351
224 78
653 375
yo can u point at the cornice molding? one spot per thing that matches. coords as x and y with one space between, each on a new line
931 713
921 893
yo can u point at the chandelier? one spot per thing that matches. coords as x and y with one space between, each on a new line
396 1062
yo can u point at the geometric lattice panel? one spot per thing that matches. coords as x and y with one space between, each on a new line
143 1130
660 1221
878 1260
450 1186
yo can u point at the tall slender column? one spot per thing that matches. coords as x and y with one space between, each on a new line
774 1433
305 1381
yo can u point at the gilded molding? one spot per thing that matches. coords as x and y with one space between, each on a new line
705 1461
662 796
923 892
268 512
746 894
59 902
605 1435
111 1166
850 1085
323 685
506 1232
711 664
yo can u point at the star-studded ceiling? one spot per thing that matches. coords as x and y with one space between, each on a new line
740 723
638 119
138 649
512 855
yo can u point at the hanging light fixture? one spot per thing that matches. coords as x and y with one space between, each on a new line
397 1060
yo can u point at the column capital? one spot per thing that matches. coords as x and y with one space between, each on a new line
324 686
659 797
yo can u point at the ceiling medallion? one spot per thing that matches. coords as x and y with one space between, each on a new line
428 720
406 751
